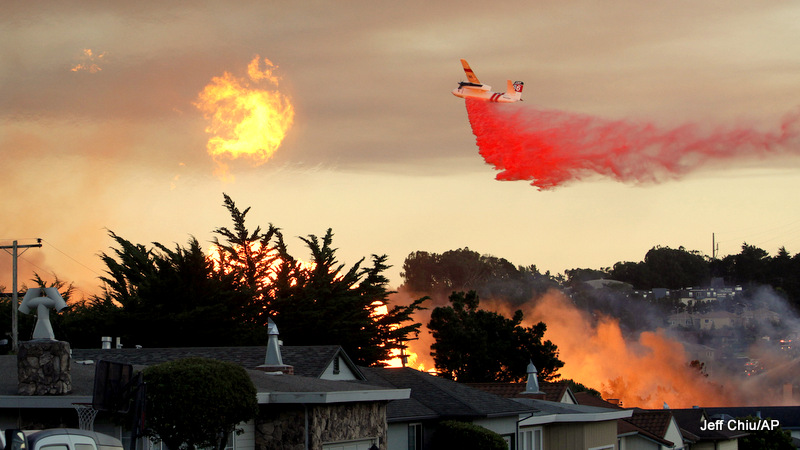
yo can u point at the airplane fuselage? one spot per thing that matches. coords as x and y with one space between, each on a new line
483 92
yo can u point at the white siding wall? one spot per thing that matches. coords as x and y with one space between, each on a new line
246 440
397 436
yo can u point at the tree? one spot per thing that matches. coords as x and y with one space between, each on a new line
161 296
473 345
664 267
174 297
321 302
774 439
466 436
465 269
197 402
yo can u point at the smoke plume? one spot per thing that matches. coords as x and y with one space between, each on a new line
549 147
649 366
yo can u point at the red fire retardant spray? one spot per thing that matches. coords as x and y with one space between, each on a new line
551 147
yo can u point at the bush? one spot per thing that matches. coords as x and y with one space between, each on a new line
194 402
466 436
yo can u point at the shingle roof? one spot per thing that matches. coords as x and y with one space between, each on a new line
655 421
625 427
436 397
690 420
585 398
553 392
789 416
82 376
309 361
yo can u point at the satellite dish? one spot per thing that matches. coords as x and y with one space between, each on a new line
43 299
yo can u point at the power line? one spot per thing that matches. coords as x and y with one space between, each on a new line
73 259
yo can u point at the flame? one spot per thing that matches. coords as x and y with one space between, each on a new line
246 121
273 260
89 62
644 373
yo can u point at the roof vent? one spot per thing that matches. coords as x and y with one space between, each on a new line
274 361
532 385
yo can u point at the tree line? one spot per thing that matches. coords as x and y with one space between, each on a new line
662 267
160 296
183 296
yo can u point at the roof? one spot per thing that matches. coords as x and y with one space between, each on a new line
626 428
585 398
655 421
434 397
553 392
271 388
690 420
309 361
650 423
556 412
789 416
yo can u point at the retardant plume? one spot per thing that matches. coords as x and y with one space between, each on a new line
246 121
550 147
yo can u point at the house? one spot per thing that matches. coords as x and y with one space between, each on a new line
718 319
650 429
644 429
698 435
555 425
413 421
321 403
787 416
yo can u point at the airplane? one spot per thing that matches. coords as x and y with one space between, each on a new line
475 89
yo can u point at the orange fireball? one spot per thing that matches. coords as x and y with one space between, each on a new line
246 121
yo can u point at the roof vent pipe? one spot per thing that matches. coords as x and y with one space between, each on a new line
273 346
106 342
532 385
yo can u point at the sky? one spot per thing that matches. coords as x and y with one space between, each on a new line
100 127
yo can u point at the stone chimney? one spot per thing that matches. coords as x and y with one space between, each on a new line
43 368
274 361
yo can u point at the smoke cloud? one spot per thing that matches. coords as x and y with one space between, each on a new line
550 147
649 365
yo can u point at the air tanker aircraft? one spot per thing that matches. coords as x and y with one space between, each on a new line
474 89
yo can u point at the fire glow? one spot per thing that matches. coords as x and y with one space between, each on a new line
549 147
245 121
89 62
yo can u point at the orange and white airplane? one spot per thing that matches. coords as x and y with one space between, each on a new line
475 89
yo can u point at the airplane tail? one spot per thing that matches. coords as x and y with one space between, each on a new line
514 89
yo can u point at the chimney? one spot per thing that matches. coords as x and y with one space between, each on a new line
105 342
274 361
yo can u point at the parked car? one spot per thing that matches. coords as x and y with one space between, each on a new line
58 439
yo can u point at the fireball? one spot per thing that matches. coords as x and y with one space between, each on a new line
248 117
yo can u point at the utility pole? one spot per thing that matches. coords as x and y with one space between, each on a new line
714 247
14 297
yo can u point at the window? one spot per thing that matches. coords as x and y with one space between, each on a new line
336 365
415 436
531 439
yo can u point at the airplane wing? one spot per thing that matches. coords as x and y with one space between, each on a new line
470 74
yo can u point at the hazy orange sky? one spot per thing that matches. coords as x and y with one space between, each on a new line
379 149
